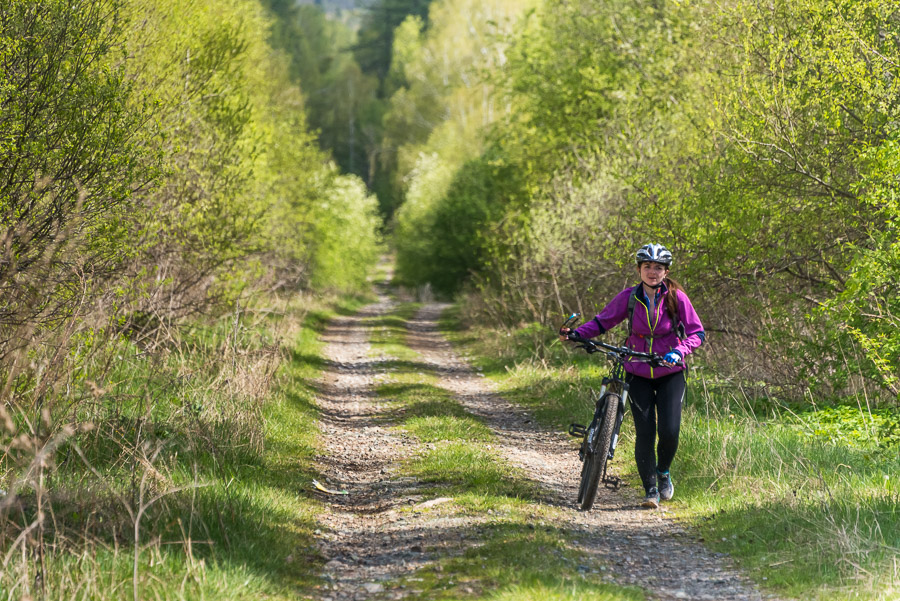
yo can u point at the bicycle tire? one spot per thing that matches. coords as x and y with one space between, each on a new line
586 464
590 478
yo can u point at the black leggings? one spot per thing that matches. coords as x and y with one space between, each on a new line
661 397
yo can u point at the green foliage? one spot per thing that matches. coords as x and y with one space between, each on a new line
443 230
854 427
867 307
435 130
208 82
591 144
70 153
347 243
751 139
245 179
812 97
416 222
340 99
375 45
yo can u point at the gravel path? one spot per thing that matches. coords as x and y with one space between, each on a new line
384 529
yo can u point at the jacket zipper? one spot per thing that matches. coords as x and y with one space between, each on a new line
652 328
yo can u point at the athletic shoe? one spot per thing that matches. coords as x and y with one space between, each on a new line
666 488
652 499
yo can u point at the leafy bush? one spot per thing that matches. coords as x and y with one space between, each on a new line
71 154
867 308
346 241
846 426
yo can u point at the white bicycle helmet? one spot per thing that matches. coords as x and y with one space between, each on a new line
654 253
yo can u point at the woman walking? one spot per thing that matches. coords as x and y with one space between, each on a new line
662 321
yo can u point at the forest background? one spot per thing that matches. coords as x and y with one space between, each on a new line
175 173
520 157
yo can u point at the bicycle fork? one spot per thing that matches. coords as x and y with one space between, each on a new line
587 433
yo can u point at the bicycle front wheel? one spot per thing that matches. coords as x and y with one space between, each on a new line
595 463
586 466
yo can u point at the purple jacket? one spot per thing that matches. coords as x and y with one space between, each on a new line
652 333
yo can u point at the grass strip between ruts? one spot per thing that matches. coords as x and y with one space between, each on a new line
513 550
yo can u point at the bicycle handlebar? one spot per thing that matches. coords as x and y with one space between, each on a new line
619 353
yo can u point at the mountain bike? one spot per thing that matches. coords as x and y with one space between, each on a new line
599 439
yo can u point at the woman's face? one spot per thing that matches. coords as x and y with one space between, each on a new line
652 273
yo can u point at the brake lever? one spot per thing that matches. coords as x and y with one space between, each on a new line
570 320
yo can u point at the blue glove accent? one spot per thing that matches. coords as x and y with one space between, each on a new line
673 357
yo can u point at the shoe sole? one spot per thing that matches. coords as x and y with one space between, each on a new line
668 497
651 503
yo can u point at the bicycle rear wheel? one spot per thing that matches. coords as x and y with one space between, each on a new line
595 463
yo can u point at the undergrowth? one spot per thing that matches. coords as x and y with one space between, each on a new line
180 480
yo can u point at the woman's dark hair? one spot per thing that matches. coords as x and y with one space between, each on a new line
672 299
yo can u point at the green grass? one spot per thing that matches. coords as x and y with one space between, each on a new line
244 528
520 558
459 466
437 428
806 502
428 411
388 333
815 519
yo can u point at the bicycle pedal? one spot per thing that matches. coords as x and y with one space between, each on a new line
577 430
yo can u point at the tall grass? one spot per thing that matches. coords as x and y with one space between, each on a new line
814 518
177 475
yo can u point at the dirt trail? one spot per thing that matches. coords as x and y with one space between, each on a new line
369 542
